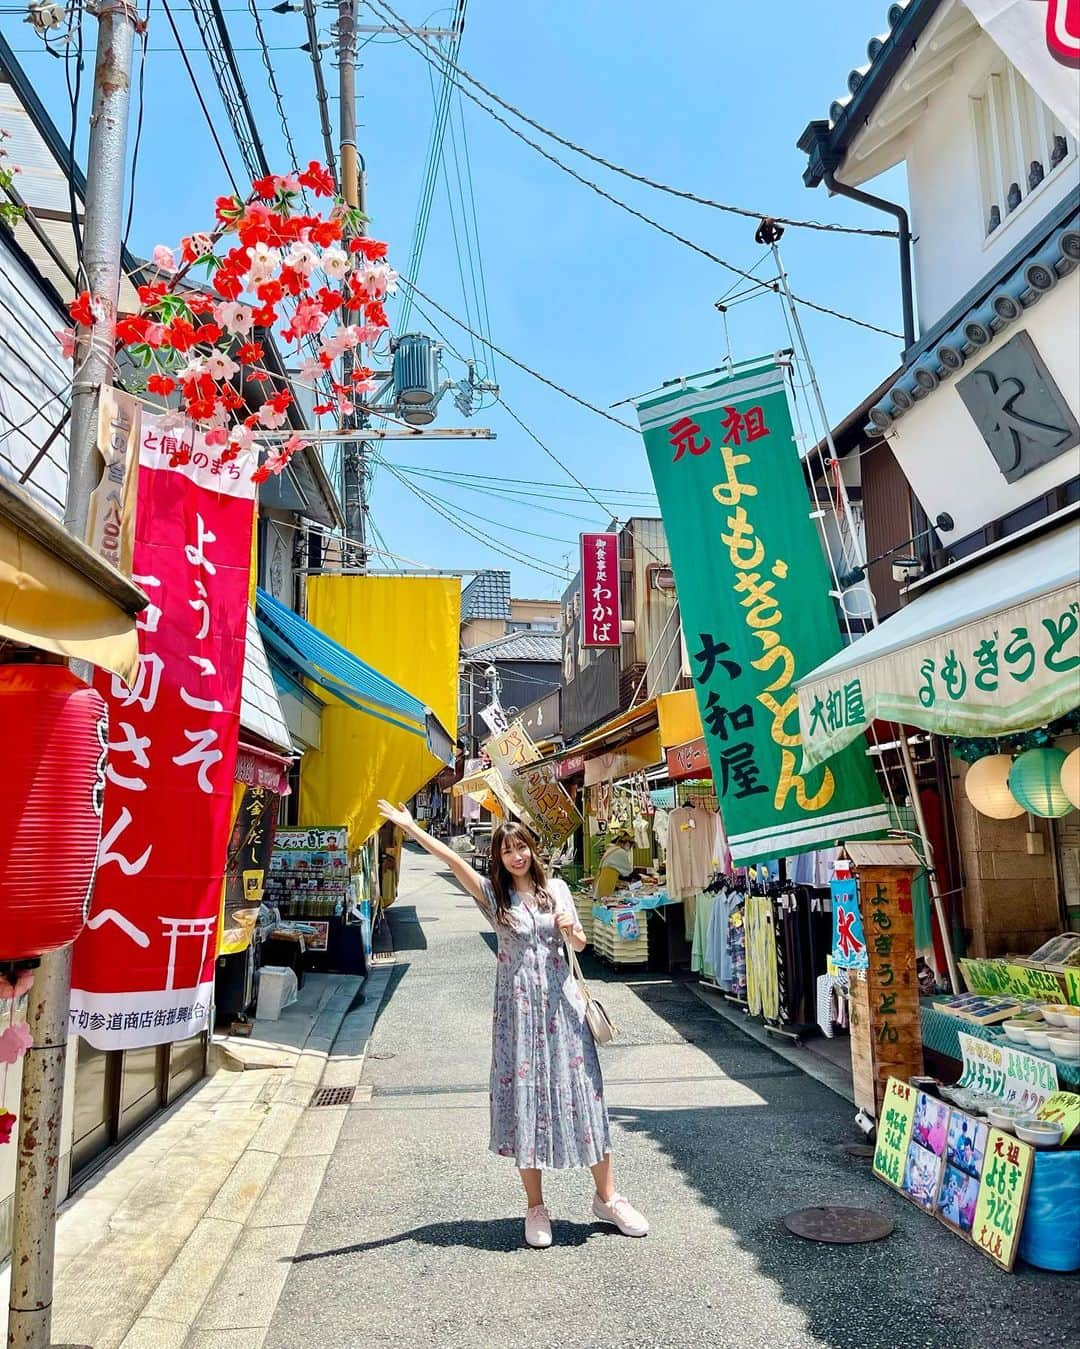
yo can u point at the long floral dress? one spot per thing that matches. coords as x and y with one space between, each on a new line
547 1093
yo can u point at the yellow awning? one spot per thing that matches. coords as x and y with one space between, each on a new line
407 628
56 594
675 714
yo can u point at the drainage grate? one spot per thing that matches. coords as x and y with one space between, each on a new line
333 1096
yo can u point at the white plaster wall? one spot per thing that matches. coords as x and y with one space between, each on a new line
939 447
953 252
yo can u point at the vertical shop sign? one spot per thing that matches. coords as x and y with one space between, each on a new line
894 1132
754 595
885 1036
545 804
849 941
601 608
999 1212
144 966
250 849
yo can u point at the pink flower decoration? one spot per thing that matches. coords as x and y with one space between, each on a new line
7 1123
163 258
67 343
10 990
14 1042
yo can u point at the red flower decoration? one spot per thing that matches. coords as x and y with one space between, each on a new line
181 335
376 314
227 283
7 1123
131 328
372 249
318 178
228 209
320 409
81 310
265 187
251 353
162 384
330 299
199 304
151 294
208 332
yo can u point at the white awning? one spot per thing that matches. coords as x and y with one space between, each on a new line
995 650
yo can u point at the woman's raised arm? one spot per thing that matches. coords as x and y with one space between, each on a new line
469 877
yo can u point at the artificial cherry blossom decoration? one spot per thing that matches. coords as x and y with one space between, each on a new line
7 1123
10 990
288 270
14 1042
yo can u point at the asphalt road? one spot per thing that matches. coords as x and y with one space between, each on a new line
416 1236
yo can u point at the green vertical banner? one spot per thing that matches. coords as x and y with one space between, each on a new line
753 590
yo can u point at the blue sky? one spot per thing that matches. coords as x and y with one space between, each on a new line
711 99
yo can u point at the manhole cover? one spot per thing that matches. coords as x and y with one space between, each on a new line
863 1151
382 1054
838 1225
333 1096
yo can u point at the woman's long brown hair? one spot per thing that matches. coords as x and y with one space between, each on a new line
501 880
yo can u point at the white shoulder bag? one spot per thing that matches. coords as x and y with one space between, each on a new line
604 1030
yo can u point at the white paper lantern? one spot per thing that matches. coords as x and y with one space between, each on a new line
1070 777
987 788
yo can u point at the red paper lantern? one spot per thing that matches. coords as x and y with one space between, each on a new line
55 737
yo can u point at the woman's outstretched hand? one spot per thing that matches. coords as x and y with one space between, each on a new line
396 815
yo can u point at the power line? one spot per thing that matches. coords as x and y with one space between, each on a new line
275 89
535 482
600 412
640 177
320 89
640 215
202 101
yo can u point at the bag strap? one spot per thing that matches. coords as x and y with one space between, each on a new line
575 969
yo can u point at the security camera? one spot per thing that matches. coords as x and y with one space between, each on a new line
906 569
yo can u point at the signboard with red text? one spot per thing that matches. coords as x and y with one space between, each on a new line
601 611
144 965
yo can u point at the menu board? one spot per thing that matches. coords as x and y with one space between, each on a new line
970 1177
1072 987
1064 1107
309 873
1003 977
1010 1075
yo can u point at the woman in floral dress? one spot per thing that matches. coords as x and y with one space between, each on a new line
547 1093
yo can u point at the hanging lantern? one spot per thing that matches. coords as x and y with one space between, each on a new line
1070 777
1035 781
987 788
51 791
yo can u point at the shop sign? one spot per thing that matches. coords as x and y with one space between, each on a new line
493 717
885 1036
545 805
570 767
849 942
250 848
144 965
260 770
313 838
688 761
994 977
970 1177
601 611
754 596
1013 1076
1072 987
1064 1108
1015 667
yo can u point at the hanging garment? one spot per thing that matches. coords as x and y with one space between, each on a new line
736 947
693 850
831 1003
641 833
660 828
702 913
716 937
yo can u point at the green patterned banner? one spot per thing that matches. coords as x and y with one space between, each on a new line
754 595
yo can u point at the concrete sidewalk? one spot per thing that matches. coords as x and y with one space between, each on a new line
181 1239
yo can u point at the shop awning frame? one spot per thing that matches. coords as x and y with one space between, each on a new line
919 667
348 678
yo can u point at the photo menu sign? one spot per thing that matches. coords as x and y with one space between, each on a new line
972 1178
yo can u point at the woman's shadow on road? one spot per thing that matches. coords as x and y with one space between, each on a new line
495 1234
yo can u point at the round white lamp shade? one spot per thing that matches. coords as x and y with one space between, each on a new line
987 788
1070 777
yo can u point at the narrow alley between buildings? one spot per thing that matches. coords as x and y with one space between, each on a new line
416 1235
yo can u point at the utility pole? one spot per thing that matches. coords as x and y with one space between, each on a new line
353 190
41 1097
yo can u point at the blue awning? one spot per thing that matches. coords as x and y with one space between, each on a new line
347 677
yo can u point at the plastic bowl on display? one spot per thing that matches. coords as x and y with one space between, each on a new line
1004 1117
1037 1039
1056 1014
1042 1133
1065 1047
1071 1015
1016 1031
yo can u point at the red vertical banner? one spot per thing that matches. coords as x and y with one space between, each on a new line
144 964
601 610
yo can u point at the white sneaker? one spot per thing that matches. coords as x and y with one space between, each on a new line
538 1227
622 1214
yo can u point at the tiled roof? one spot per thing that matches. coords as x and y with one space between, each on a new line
486 596
527 646
866 84
977 319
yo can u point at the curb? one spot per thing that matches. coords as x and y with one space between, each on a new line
225 1282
